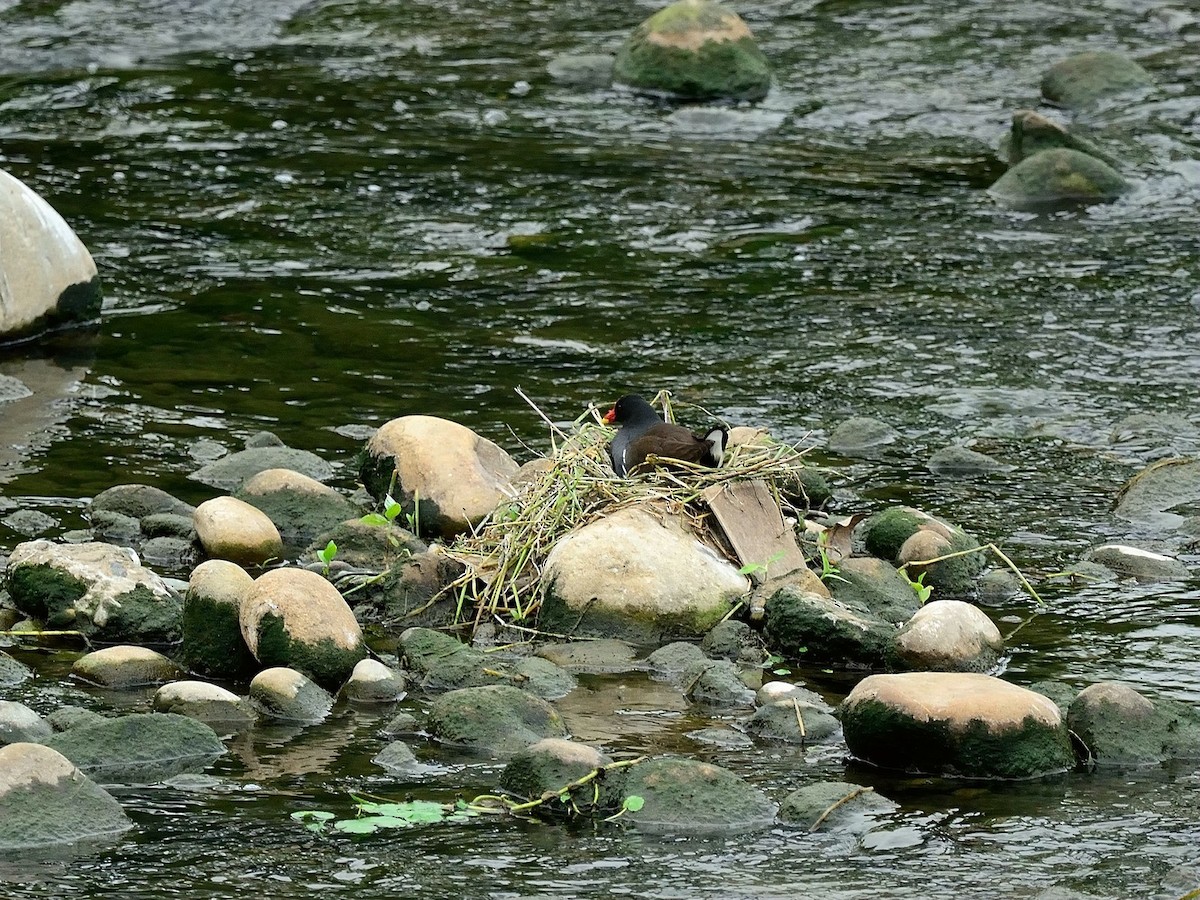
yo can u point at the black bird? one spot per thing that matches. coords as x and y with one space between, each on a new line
643 433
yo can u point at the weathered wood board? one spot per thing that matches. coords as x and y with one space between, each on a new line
753 524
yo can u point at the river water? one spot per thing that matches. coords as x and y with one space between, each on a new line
311 218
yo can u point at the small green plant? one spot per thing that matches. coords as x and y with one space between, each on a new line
391 509
326 556
829 569
922 590
760 568
774 663
632 803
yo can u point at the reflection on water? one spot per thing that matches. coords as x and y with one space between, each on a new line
312 218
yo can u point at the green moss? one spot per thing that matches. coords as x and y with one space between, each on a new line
892 739
734 70
212 640
799 624
955 578
326 663
494 718
886 532
144 615
46 593
140 747
689 796
1059 175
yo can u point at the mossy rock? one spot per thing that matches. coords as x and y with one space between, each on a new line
139 748
1059 177
951 578
1032 133
694 50
885 533
875 585
212 640
793 723
440 662
327 662
685 796
1120 727
496 719
823 630
835 806
1084 78
551 765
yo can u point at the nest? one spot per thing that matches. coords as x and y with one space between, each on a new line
504 557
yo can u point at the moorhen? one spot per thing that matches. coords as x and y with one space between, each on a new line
643 433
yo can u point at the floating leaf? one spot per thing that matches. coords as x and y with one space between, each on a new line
414 812
369 824
314 819
633 803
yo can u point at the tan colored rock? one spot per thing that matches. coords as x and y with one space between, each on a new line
48 275
959 699
927 543
949 636
125 667
458 476
270 480
220 581
206 702
373 682
638 574
234 530
283 693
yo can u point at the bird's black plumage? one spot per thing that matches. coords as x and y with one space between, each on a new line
643 433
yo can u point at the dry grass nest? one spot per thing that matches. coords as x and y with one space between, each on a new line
503 558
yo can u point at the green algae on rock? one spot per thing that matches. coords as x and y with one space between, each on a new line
1059 176
694 50
1083 78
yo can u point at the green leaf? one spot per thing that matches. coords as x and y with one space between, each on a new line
414 812
781 671
369 824
633 803
318 815
374 519
326 556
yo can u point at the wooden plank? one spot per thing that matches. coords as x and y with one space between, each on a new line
753 524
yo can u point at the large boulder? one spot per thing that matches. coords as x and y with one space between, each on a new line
300 506
496 719
1121 727
101 590
45 800
948 636
964 724
637 575
295 618
232 529
139 748
694 50
1084 78
47 276
685 796
447 477
212 631
1058 177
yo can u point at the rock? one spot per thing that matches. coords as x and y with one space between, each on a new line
398 759
101 590
300 507
1084 78
495 719
67 717
550 765
138 501
282 693
720 684
28 522
373 682
1032 133
542 677
862 437
606 656
123 667
366 546
402 723
212 632
793 722
864 582
774 691
587 71
1158 433
447 477
1152 496
694 50
942 723
721 738
949 578
232 529
1121 727
948 636
11 671
441 662
49 276
636 576
884 533
835 806
962 462
19 724
679 661
208 703
295 618
825 631
45 800
997 587
735 641
230 472
684 796
406 592
115 528
1058 177
1134 562
139 748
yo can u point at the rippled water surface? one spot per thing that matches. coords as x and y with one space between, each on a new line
312 218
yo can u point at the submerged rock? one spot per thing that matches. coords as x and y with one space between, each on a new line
694 50
862 436
948 636
49 276
19 723
685 796
282 693
962 462
1059 177
1084 78
582 70
232 529
295 618
1032 133
835 806
212 632
447 477
551 765
1121 727
606 656
637 576
124 667
263 451
1161 494
139 748
1135 562
495 719
943 723
793 721
45 800
101 590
